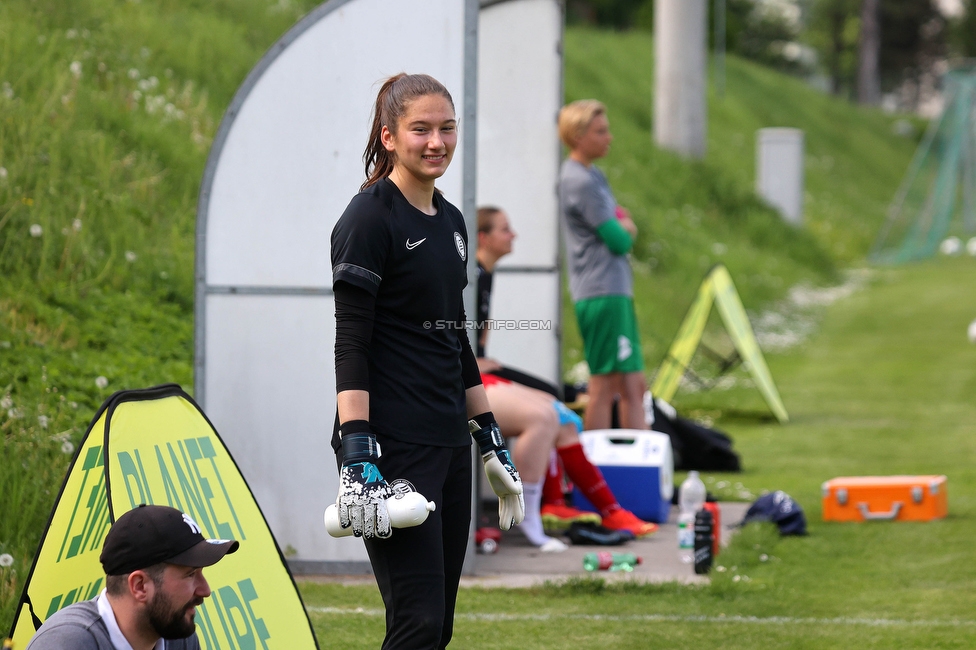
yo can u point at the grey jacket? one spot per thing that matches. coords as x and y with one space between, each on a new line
80 627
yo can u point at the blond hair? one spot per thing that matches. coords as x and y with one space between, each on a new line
575 119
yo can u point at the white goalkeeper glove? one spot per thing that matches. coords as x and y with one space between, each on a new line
502 476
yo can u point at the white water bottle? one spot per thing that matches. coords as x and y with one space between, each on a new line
691 499
406 510
686 538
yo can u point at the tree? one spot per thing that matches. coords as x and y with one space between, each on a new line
911 42
833 32
868 53
963 37
621 14
765 31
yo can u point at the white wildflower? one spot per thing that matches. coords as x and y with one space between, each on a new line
42 421
36 230
136 95
130 256
6 560
133 73
970 244
76 225
763 557
75 68
67 447
101 382
6 402
71 34
8 90
14 414
154 103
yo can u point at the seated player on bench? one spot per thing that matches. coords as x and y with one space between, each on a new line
539 421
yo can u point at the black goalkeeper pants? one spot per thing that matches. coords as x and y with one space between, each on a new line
418 569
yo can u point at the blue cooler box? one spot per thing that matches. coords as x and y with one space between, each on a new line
637 465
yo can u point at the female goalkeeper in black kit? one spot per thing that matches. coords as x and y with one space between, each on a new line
409 394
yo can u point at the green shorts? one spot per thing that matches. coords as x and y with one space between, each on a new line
611 343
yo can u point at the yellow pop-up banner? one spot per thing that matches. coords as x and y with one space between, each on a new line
156 446
717 287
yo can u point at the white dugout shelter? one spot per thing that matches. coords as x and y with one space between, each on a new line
285 162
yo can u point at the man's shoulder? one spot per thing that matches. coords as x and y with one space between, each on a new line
78 625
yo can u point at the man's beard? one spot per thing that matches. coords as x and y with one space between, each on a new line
170 622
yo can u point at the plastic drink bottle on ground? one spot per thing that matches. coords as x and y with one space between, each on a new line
691 495
607 561
691 499
686 537
712 507
704 535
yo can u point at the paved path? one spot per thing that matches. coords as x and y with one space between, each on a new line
519 564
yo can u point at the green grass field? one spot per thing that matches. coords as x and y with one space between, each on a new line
884 387
107 110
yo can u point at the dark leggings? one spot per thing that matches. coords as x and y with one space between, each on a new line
418 569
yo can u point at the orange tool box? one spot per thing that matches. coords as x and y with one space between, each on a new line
893 498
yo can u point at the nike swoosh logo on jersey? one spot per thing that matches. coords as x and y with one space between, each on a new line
413 245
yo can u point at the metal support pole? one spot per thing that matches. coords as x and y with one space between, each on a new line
680 59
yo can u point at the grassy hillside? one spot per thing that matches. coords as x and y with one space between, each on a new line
692 215
107 111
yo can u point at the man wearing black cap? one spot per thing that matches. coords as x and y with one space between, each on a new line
153 558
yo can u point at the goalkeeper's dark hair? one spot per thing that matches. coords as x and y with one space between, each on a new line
391 104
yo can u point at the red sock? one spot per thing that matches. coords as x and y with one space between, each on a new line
552 487
588 478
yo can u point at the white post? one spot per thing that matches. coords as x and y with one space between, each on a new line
679 76
779 171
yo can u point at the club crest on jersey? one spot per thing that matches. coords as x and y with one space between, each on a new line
459 242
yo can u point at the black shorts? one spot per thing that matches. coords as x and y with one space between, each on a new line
418 569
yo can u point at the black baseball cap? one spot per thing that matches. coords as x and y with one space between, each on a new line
150 534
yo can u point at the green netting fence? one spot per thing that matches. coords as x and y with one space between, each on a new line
937 197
